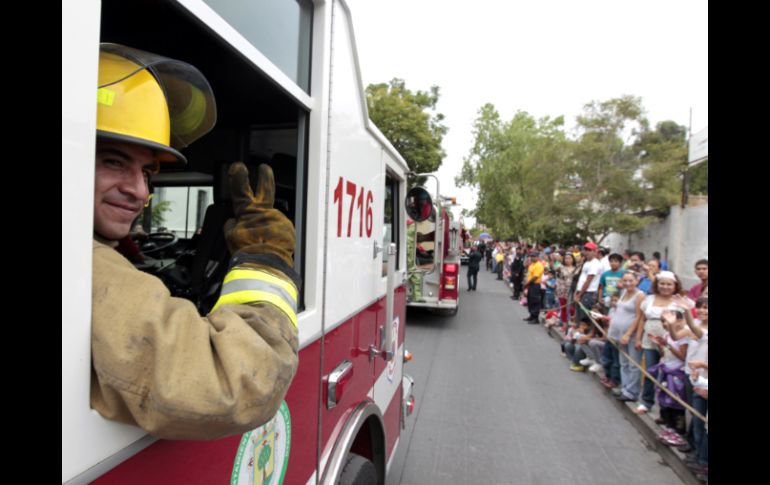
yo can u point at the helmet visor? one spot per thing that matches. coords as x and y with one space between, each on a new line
191 104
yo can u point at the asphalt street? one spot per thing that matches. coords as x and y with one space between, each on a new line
496 403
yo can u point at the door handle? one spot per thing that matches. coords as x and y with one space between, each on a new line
338 381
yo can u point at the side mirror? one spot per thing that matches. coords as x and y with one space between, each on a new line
419 206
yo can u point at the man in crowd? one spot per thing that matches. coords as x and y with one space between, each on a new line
534 292
588 284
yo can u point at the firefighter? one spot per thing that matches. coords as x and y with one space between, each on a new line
156 363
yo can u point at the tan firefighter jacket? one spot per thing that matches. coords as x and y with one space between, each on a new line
159 365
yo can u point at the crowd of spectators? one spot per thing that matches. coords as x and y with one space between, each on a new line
618 314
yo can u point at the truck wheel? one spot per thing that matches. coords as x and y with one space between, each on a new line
358 471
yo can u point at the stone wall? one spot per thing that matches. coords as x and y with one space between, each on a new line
682 239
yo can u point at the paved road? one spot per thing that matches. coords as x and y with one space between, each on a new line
497 404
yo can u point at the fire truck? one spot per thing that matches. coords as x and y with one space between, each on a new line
434 256
289 93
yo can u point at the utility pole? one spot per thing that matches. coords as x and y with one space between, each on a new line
685 174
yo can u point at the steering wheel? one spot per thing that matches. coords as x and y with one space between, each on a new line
162 239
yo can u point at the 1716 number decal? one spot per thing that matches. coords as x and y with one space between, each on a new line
351 189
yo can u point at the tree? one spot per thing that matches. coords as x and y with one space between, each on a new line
405 120
475 232
699 179
664 162
604 189
157 217
516 166
534 183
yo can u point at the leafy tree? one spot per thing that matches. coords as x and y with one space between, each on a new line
157 214
159 211
604 190
515 165
475 232
699 179
534 183
410 122
664 157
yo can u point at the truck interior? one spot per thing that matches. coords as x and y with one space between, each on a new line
425 244
257 122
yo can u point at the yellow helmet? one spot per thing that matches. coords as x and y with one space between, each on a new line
152 101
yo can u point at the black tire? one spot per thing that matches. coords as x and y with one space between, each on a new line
358 471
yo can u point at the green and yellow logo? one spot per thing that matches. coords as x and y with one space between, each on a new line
263 451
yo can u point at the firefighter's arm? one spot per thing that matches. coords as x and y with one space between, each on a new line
261 240
198 378
159 365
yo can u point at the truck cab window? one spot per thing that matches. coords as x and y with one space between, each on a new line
257 122
179 210
391 222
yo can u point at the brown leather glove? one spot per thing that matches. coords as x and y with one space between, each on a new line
259 228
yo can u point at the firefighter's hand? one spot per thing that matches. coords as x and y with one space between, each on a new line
258 228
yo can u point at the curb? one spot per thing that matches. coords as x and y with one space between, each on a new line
644 424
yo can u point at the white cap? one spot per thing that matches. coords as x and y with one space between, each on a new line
665 275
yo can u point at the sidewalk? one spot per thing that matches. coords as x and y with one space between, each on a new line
644 423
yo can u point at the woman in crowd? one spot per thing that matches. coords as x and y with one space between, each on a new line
622 324
666 286
564 275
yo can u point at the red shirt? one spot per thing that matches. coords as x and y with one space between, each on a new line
695 292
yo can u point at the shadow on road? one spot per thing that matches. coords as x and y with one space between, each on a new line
421 317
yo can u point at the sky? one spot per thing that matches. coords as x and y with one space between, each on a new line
546 57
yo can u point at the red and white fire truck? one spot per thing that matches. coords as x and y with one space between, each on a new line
433 261
289 93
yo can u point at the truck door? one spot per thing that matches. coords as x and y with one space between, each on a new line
388 371
353 242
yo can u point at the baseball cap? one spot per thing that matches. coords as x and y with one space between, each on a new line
590 246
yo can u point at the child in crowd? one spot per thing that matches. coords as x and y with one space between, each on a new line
574 347
696 367
549 284
595 346
610 356
671 375
552 318
609 283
